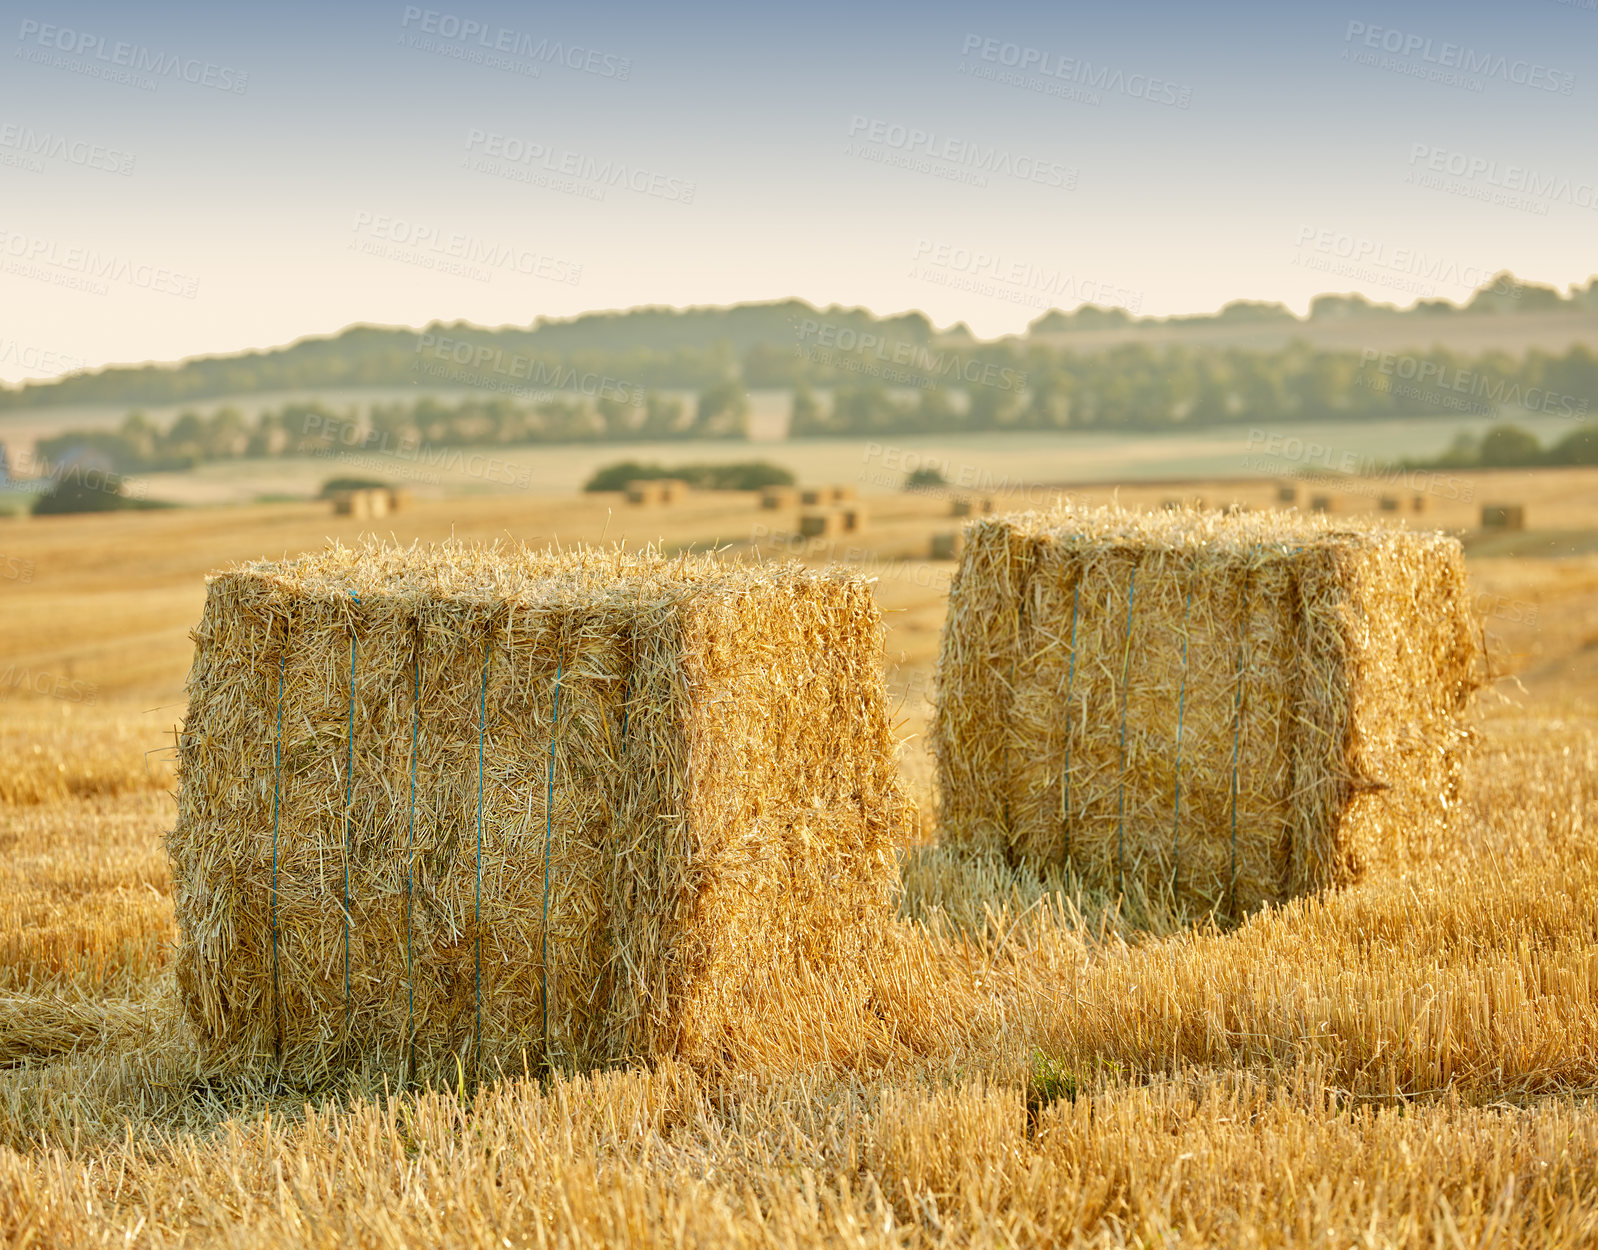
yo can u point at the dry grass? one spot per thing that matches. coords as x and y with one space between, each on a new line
1408 1062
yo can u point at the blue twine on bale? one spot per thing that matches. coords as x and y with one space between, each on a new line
549 830
277 787
1181 708
477 907
1120 798
1237 730
1070 681
410 845
349 801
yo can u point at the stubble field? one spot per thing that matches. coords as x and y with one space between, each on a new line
1413 1061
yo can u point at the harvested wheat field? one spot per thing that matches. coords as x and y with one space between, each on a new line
1022 1057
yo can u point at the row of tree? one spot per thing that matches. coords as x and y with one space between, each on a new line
866 392
780 343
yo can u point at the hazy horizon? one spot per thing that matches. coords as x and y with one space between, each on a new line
262 177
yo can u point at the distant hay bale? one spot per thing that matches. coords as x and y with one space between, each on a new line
947 545
645 491
1237 710
421 789
1388 503
1503 516
773 498
376 502
398 498
354 503
820 523
672 490
823 496
852 518
1322 503
1418 503
1287 494
843 493
966 505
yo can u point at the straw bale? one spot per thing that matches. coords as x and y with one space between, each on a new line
1109 682
773 498
351 503
819 523
1418 503
1388 503
947 545
1503 516
852 517
815 496
1322 503
1287 493
713 791
645 491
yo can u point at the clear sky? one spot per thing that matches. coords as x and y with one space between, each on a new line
181 180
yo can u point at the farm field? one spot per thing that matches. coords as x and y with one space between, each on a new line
1413 1061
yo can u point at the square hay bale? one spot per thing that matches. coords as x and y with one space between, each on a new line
645 491
506 808
351 503
947 545
843 493
376 502
852 517
1418 503
773 498
815 496
1287 494
672 490
1236 710
820 523
1388 503
1503 516
1322 503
